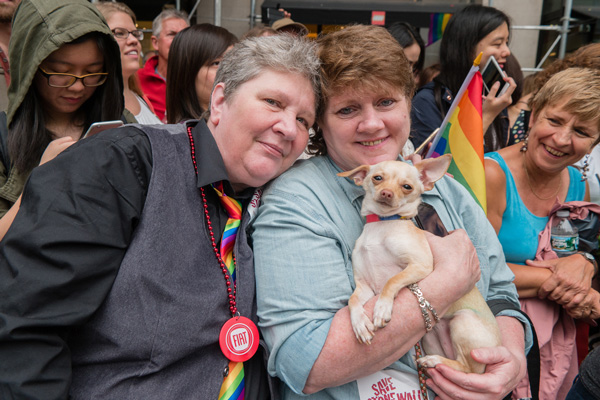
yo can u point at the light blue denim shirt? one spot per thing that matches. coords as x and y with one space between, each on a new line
303 236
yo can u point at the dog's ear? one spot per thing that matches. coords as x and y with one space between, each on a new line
433 169
358 174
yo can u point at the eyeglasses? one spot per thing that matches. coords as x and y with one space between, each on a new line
122 33
66 80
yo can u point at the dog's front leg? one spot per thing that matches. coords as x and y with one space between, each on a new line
383 308
361 324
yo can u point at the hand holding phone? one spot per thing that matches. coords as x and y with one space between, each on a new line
98 127
491 74
274 14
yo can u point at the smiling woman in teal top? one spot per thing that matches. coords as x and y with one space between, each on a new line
523 183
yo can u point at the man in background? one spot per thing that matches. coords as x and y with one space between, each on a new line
153 77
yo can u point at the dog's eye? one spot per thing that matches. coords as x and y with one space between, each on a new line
378 177
407 187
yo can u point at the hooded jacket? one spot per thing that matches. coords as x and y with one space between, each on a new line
39 28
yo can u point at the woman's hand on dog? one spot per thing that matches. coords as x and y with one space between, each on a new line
455 257
506 366
500 374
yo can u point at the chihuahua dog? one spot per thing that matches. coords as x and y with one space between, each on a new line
394 253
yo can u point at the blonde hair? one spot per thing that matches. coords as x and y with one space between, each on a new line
108 8
579 87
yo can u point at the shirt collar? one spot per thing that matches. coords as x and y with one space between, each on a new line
211 167
353 192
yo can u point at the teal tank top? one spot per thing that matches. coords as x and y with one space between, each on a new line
520 227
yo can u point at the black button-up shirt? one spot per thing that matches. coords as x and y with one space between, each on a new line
77 218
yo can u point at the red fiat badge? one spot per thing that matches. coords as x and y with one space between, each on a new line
239 339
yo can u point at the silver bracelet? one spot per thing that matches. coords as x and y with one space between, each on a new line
424 305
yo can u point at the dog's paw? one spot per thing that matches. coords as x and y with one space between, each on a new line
429 361
363 328
382 314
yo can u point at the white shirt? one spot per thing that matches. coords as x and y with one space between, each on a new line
146 116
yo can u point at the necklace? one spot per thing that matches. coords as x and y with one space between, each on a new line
231 289
239 336
531 187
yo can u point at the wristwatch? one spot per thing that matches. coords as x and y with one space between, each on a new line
591 259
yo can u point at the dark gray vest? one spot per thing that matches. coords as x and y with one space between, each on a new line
156 334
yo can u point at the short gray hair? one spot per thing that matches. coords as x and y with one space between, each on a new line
166 14
282 53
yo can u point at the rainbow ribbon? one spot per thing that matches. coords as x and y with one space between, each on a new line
232 387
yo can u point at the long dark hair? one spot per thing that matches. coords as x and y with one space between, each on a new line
464 31
28 136
192 48
407 35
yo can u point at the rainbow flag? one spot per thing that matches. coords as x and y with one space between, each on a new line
461 134
437 25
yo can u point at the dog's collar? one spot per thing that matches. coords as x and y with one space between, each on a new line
376 218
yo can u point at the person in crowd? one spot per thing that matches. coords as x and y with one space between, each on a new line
115 281
122 22
288 25
153 77
69 78
309 219
414 48
193 61
474 29
258 31
428 74
7 10
587 384
517 121
524 181
587 56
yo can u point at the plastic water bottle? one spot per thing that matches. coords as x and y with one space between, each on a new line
564 236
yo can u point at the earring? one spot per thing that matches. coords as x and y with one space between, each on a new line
585 168
524 147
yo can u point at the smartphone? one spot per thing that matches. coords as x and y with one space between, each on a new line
98 127
491 74
273 14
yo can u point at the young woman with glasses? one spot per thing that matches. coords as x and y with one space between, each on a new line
122 22
68 78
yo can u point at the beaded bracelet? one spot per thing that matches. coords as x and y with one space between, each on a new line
424 305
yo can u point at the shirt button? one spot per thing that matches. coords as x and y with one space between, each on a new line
226 372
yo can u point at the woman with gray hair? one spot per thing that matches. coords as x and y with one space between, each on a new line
130 249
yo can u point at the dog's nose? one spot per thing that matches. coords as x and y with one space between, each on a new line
385 193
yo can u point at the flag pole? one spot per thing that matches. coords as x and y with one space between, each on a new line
454 104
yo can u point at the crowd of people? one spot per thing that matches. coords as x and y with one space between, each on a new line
190 253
